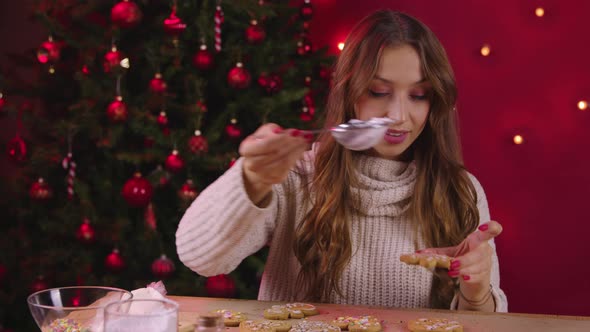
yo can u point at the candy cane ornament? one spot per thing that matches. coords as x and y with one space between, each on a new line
218 21
69 164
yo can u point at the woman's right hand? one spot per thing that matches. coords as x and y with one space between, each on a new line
269 154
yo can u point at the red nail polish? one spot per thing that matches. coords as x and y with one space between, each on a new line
484 227
277 130
455 264
466 277
295 132
453 273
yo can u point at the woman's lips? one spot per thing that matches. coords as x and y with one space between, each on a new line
395 136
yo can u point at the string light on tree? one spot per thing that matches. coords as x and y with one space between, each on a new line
341 46
582 105
539 11
485 50
518 139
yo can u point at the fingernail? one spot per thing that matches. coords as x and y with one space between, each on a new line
277 130
455 264
466 277
453 273
295 132
484 227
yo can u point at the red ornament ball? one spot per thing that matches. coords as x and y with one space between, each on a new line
271 83
137 191
255 34
304 47
201 106
162 119
39 284
117 110
232 130
112 60
203 59
173 25
17 149
174 163
85 233
2 101
187 193
197 144
157 84
306 11
114 262
49 51
40 190
126 14
220 286
307 113
238 77
163 267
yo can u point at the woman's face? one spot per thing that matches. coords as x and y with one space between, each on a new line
398 91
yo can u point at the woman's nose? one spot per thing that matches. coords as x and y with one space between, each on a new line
397 110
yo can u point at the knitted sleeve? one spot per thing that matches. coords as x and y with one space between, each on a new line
222 226
484 216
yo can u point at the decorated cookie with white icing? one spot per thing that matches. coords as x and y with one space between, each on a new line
434 325
358 323
264 326
230 318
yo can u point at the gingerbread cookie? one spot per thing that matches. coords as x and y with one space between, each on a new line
314 326
434 324
429 261
264 326
306 308
290 310
358 323
276 312
230 318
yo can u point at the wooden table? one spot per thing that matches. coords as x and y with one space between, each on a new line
393 320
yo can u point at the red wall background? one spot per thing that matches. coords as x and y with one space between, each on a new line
538 70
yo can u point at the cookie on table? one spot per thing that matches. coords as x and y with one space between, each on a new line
277 312
230 318
184 326
428 260
434 325
264 326
314 326
306 308
365 324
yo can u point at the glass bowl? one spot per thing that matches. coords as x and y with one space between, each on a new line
75 309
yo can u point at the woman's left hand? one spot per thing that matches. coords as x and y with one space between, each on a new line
472 260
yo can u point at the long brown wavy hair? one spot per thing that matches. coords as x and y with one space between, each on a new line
444 204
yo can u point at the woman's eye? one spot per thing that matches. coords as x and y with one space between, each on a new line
419 97
378 94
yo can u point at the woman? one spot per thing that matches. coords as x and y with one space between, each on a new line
338 220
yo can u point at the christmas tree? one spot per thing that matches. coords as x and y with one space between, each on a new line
138 106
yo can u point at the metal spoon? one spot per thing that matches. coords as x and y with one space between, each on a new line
360 135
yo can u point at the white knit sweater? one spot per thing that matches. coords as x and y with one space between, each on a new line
222 227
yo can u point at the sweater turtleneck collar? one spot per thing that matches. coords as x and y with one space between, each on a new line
385 186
